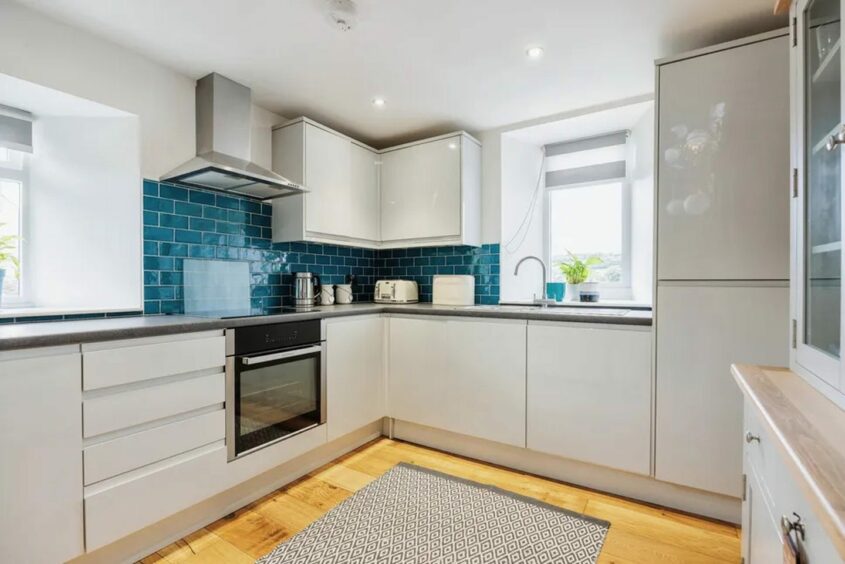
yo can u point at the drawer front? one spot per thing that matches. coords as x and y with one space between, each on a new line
126 364
124 409
759 449
127 506
116 456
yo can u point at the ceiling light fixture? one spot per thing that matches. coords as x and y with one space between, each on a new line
534 52
379 102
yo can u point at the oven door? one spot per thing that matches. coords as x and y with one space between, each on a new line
273 395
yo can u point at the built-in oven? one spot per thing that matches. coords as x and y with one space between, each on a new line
275 383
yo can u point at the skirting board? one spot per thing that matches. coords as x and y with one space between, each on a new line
633 486
146 541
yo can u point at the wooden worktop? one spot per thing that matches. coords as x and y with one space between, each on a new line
810 432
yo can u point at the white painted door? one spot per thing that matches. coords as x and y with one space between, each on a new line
355 377
327 167
701 331
723 177
41 461
365 202
461 375
421 191
589 394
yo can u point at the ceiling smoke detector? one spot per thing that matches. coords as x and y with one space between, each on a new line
342 14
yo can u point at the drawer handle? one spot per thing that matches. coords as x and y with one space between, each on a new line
749 438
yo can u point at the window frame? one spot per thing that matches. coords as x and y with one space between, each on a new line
21 176
609 291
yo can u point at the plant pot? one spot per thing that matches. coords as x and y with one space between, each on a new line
2 276
589 292
573 292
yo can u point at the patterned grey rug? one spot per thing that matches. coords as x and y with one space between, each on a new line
413 515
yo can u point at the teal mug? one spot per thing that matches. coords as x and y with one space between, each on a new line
555 290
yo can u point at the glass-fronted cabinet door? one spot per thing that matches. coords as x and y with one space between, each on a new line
821 135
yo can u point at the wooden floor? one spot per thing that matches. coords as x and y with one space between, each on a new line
638 533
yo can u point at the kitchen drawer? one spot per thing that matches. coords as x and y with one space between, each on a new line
759 453
117 507
105 366
116 456
107 413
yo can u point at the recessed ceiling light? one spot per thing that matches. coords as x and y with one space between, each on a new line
534 52
379 102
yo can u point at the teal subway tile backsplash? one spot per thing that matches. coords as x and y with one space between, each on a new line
186 223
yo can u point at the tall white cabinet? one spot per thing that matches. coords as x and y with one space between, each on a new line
817 207
423 193
722 249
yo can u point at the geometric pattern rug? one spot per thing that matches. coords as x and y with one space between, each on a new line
414 515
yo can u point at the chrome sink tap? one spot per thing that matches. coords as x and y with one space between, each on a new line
544 301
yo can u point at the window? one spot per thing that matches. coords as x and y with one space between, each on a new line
588 221
13 171
588 201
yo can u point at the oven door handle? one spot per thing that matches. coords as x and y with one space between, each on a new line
282 355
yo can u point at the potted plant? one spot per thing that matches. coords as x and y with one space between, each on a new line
576 272
7 247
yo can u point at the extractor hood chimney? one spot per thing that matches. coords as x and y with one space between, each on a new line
223 162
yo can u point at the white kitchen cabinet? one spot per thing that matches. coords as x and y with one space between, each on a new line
723 195
461 375
341 176
817 160
761 542
589 393
355 375
773 493
41 462
431 192
701 331
364 201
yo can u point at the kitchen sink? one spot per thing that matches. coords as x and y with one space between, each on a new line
553 310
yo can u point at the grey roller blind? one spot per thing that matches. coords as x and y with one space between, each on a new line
597 172
15 129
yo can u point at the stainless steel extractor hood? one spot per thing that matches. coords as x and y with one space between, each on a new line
223 146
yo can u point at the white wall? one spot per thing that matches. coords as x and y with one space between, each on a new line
641 178
40 50
83 214
520 167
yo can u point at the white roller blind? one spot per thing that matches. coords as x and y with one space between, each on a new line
582 161
15 129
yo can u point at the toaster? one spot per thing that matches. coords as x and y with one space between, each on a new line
397 292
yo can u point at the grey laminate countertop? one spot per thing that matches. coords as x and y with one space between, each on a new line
55 333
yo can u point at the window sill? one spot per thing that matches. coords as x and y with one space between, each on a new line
24 312
621 304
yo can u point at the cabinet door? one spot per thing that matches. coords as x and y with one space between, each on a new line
327 167
41 464
723 181
459 375
818 238
355 380
364 194
421 191
701 331
760 531
601 376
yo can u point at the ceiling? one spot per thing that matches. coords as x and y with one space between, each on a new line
439 64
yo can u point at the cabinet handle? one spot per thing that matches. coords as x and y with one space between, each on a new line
749 438
835 140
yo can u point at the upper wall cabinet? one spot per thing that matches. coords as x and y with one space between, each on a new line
431 192
420 194
341 175
723 209
818 136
